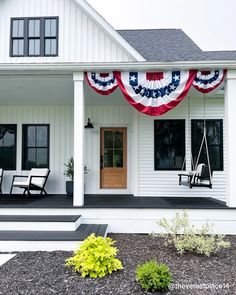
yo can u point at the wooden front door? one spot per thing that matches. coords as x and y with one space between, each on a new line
113 158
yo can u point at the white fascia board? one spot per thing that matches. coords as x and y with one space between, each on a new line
69 68
109 29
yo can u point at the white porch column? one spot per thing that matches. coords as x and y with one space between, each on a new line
230 118
78 199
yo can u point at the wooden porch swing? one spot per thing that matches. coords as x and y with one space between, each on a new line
201 175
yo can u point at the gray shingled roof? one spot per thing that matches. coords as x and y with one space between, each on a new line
170 45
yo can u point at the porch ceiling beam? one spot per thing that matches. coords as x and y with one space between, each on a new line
128 66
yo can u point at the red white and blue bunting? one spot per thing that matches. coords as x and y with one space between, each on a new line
103 83
206 81
155 93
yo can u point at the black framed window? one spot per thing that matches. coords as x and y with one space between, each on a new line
35 146
34 36
50 36
8 146
214 132
169 144
17 37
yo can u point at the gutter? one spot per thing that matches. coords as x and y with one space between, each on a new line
71 68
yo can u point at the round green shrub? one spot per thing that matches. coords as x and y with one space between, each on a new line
153 276
96 257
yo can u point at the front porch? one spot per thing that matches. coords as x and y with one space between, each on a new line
111 202
122 213
64 102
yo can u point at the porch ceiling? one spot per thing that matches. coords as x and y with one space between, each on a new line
59 89
36 89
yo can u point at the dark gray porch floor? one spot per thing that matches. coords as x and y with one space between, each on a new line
113 201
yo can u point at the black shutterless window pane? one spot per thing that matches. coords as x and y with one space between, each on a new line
36 146
18 47
18 28
31 136
169 140
42 133
214 133
34 28
50 28
50 46
8 147
34 47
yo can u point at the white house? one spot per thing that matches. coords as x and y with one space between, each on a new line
49 47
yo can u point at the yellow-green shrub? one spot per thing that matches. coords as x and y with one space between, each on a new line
189 238
153 276
96 257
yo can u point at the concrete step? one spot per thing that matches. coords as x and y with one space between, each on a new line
16 241
39 222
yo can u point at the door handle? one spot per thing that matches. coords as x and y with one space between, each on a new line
101 162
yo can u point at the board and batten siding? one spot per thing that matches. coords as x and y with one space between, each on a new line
60 119
165 183
105 116
81 38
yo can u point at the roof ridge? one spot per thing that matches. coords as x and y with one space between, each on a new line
150 29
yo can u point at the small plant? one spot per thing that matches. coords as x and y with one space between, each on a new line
95 258
189 238
153 276
69 170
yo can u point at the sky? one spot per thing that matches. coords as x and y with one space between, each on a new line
210 23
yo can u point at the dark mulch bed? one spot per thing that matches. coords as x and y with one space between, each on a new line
44 273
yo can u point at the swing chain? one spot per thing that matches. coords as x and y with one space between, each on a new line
204 139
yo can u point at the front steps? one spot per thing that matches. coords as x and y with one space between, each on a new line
45 232
40 222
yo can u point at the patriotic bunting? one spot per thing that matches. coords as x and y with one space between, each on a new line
103 83
155 93
206 81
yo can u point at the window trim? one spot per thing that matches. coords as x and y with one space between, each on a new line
23 144
15 147
221 145
155 146
26 37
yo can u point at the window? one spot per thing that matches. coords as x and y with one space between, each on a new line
17 37
214 130
169 144
35 146
8 147
50 39
34 36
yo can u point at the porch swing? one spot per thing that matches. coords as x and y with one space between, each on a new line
201 175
